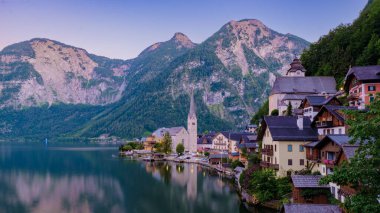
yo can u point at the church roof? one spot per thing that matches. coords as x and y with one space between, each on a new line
304 85
296 65
159 133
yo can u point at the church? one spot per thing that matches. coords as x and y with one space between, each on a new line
179 134
292 88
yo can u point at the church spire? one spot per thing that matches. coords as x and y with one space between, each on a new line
192 105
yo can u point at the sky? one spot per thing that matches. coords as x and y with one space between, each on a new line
123 28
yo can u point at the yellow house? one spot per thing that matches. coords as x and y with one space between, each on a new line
283 139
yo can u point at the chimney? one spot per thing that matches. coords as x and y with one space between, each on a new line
300 122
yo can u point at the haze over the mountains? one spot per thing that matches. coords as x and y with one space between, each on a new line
231 73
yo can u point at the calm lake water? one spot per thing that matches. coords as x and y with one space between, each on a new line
91 179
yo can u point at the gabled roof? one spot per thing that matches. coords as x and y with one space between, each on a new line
307 181
284 128
304 85
248 145
311 144
364 73
235 136
159 133
349 151
207 137
311 208
340 140
336 111
319 100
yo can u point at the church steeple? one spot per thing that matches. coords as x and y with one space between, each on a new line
192 106
192 125
296 69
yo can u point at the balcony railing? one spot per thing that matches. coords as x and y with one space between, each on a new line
264 164
353 96
324 123
267 151
312 158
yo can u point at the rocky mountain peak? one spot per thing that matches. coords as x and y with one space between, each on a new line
182 40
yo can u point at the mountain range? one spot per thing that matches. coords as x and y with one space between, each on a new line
51 89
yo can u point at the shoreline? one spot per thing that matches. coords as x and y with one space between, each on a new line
243 195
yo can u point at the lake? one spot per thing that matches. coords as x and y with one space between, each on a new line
36 178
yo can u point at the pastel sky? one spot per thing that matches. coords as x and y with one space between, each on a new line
123 28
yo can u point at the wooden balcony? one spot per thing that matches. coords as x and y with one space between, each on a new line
266 151
323 124
353 96
264 164
313 158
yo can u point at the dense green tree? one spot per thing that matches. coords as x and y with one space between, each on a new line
274 112
289 109
180 149
363 170
166 143
263 185
264 110
347 45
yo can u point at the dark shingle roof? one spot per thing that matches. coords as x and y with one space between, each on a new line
349 150
307 181
336 111
340 140
284 128
365 73
248 145
318 100
236 136
311 208
207 137
308 85
311 144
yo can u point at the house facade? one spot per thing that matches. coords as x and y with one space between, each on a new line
312 104
331 120
326 154
283 139
362 84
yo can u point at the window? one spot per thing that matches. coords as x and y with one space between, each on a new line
302 162
290 162
332 131
301 148
330 155
324 132
371 88
290 148
328 131
340 131
275 147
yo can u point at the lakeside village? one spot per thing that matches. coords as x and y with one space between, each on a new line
280 162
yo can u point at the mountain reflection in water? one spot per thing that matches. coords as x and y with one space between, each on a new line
89 179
